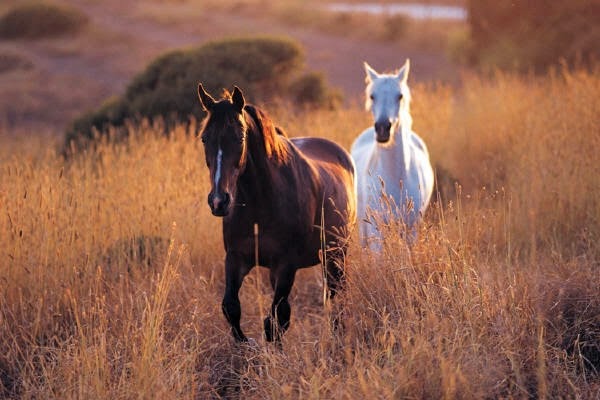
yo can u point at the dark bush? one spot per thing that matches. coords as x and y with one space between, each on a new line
395 26
168 86
9 62
524 34
262 66
311 89
40 19
113 112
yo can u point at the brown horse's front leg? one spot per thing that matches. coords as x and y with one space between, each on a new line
335 270
282 279
235 271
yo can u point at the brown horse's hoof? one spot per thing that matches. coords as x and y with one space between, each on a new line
238 336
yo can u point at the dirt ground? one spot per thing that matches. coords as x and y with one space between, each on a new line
53 80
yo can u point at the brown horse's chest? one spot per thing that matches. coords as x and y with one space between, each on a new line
277 240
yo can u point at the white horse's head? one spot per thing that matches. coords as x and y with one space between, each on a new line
388 98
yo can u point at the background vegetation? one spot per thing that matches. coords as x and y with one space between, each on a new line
111 266
425 34
113 270
526 34
264 67
40 19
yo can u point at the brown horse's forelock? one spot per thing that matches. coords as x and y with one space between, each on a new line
222 113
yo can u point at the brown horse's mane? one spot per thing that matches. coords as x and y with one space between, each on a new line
260 123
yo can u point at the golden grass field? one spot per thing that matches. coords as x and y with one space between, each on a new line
112 265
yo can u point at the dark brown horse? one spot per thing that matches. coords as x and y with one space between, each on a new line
290 188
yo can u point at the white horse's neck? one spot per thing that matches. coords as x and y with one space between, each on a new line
405 117
396 153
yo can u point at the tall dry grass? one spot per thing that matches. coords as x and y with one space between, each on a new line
112 265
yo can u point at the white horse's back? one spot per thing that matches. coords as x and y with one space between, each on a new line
419 143
394 174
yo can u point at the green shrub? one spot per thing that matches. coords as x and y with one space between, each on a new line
311 89
264 67
168 86
113 112
40 19
525 34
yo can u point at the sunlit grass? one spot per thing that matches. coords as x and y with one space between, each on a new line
112 266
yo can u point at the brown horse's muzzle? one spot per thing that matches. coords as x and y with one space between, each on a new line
219 203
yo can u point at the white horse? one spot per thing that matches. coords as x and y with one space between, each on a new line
394 175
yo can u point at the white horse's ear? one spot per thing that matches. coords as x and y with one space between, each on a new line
371 73
403 73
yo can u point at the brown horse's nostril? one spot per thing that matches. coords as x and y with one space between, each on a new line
219 204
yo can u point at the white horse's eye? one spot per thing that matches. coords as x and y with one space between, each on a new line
372 97
400 97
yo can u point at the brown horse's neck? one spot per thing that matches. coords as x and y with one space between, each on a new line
267 135
267 150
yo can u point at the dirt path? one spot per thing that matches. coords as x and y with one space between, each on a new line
121 40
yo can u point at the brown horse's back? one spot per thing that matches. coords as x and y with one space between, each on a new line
334 164
325 150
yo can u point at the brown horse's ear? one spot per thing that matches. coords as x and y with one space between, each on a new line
205 99
238 99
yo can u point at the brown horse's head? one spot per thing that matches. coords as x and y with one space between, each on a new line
225 147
